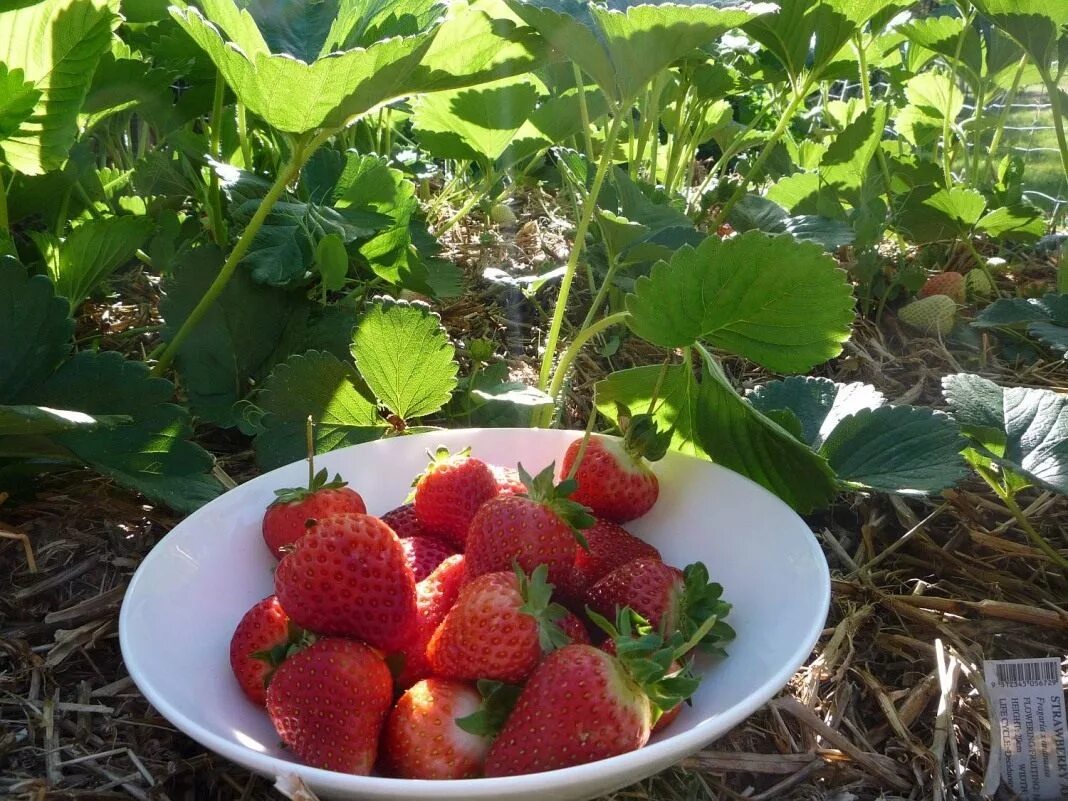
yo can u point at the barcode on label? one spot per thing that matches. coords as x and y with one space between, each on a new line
1027 674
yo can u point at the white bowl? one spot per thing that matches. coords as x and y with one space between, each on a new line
186 598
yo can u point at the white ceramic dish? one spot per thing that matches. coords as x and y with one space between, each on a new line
188 595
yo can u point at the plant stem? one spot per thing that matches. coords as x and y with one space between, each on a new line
869 102
765 153
573 349
977 133
4 223
1021 519
242 135
576 252
473 200
1003 117
1058 113
585 441
218 225
584 112
602 290
309 435
947 157
300 153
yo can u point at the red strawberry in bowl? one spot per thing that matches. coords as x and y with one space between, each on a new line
435 596
538 528
508 480
295 509
329 703
450 492
672 600
434 731
423 554
404 522
498 628
348 577
608 546
613 476
263 639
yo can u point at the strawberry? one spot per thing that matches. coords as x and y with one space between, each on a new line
935 314
508 481
609 546
435 596
498 629
295 509
449 493
573 627
948 283
262 641
978 285
669 715
669 598
613 478
423 739
423 554
404 522
348 576
582 704
539 528
329 703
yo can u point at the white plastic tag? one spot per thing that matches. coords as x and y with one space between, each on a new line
1027 708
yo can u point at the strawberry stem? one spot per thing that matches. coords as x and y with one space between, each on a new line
585 439
309 433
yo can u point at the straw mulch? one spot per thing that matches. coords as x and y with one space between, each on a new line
889 706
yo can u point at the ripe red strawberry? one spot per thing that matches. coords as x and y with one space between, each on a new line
262 641
295 509
582 703
449 493
498 628
613 478
435 596
404 522
670 599
572 626
948 283
579 705
422 739
610 546
539 528
669 715
329 703
508 481
423 554
348 576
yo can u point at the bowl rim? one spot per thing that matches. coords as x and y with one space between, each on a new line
670 748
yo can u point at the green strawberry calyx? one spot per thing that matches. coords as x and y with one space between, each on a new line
536 592
498 700
655 663
642 439
318 482
440 456
297 639
702 611
542 489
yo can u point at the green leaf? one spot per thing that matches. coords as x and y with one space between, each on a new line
404 355
1038 26
476 123
932 98
328 389
845 162
242 336
933 215
294 96
126 85
897 449
35 331
942 35
676 407
92 252
818 404
736 435
56 45
152 454
41 420
332 261
806 36
1046 318
17 100
781 303
622 49
1024 430
1019 223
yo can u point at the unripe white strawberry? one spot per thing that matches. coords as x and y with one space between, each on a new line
978 285
931 315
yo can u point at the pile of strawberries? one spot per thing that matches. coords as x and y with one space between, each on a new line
499 624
